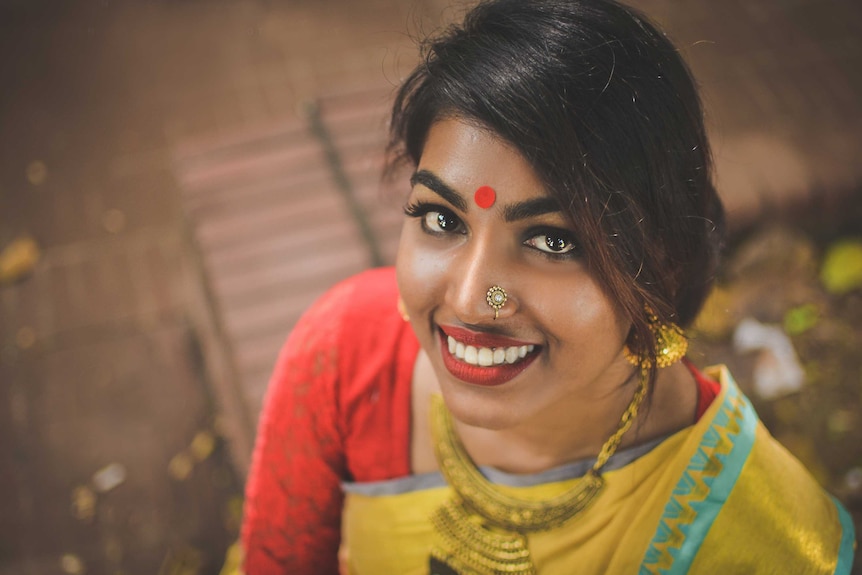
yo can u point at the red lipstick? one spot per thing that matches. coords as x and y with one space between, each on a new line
469 337
488 376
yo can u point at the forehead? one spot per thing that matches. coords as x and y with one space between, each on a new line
467 156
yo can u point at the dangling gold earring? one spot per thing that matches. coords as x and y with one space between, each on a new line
670 344
402 310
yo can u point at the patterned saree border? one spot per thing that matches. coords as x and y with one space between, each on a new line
703 487
848 541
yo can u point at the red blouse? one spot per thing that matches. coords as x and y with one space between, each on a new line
337 408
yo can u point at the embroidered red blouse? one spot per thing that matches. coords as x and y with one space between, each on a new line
337 408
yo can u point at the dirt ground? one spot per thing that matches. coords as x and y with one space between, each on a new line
802 276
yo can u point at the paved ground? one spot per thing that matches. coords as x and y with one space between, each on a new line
163 156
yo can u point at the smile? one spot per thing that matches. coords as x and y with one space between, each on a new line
486 356
484 359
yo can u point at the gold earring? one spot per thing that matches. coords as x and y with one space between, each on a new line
670 344
496 298
402 309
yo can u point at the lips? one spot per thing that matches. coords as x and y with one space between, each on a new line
484 359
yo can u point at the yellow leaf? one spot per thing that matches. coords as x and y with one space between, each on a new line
842 267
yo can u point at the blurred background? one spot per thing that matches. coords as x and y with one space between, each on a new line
180 179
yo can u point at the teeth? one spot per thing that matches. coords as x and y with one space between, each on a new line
471 355
512 354
499 355
486 356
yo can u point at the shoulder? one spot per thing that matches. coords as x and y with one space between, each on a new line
361 304
342 323
777 518
368 301
375 347
766 507
354 338
370 352
370 294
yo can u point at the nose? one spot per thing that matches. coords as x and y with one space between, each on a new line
482 289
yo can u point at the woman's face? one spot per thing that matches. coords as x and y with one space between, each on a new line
556 345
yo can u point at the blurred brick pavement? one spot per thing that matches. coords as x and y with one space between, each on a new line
189 212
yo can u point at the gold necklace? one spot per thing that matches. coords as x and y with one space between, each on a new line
482 530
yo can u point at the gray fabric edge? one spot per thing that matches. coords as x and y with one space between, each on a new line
435 479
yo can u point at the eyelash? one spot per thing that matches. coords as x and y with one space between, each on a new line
559 234
422 209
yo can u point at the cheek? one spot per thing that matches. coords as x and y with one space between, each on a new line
577 311
420 271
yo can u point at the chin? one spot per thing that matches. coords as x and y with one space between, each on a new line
476 406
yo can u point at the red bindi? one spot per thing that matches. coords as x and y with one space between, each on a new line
485 197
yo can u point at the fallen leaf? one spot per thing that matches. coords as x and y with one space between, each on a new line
83 503
202 445
842 267
180 466
72 564
800 319
18 259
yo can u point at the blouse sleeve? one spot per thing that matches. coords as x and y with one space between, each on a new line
292 515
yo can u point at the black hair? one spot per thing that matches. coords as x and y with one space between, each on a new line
604 109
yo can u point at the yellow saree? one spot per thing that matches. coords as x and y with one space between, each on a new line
721 496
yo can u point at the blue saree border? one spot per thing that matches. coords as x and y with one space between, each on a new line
703 487
848 541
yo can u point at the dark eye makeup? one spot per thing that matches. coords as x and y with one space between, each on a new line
554 243
550 242
436 219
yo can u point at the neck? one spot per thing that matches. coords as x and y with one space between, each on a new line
578 429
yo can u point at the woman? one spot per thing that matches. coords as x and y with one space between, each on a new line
560 230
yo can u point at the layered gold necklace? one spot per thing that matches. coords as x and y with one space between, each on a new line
481 530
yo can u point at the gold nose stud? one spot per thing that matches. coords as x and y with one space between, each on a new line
496 298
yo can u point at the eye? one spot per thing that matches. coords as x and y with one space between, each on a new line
552 242
439 222
435 219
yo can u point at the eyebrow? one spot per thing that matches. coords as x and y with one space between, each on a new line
511 213
437 186
530 209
